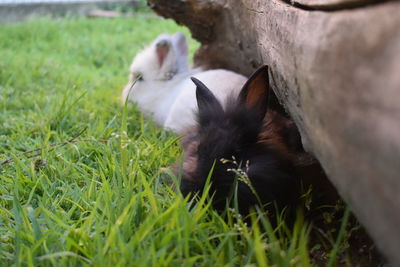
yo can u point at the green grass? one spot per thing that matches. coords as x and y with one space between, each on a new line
105 199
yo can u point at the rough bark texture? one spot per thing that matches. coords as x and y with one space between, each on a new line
338 75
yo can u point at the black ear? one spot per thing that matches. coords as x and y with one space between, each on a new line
255 92
207 103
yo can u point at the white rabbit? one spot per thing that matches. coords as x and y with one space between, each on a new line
163 89
157 71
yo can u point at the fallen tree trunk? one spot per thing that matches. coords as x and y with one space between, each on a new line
338 75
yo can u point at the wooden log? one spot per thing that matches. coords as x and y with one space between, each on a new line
338 75
332 4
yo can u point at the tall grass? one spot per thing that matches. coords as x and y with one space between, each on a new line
107 197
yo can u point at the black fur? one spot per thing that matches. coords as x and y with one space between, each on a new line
234 134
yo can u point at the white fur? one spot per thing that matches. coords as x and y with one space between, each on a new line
171 102
222 83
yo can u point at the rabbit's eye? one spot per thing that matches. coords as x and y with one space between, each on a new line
139 77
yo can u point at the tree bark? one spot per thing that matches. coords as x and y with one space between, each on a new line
338 75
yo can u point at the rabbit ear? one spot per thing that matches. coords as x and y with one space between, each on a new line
181 44
255 92
207 103
162 49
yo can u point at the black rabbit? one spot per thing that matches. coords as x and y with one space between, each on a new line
250 148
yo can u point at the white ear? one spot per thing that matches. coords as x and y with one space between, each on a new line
180 43
162 50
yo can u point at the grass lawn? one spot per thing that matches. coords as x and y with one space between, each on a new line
104 199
